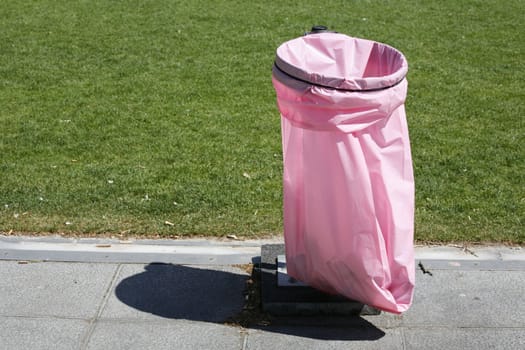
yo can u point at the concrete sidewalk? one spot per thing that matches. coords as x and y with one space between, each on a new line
177 294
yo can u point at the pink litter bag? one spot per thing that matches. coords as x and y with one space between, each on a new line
348 179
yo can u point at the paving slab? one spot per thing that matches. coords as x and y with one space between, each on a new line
466 298
465 338
471 299
176 334
198 293
320 338
17 333
53 289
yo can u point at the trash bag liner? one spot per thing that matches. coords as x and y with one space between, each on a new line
348 180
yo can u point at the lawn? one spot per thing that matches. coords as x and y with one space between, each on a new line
159 117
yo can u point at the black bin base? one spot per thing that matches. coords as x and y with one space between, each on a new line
300 300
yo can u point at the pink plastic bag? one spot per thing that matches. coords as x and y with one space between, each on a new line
348 180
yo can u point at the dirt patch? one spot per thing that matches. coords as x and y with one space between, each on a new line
251 313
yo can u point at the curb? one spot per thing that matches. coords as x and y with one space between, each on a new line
224 252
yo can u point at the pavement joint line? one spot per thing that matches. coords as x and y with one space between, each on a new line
45 317
245 336
455 327
157 322
93 321
403 338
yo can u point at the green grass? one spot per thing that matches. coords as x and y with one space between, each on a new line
117 116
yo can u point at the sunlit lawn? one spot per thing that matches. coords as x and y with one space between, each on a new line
159 117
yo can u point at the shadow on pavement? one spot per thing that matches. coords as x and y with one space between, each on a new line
200 294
